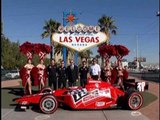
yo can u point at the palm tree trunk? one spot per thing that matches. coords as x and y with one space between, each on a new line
65 55
102 61
51 54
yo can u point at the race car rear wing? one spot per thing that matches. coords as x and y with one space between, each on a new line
140 86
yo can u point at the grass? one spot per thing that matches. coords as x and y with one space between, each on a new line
8 94
148 98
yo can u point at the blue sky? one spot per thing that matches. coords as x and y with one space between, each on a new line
23 20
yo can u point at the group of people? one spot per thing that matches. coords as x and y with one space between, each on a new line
71 73
115 75
59 76
33 75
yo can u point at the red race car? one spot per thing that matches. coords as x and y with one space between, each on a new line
95 95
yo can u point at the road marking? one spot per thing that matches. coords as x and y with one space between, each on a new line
135 113
7 113
105 115
42 117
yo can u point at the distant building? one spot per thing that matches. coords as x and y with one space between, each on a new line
132 65
124 63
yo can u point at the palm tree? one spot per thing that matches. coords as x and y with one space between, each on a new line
59 50
85 54
1 28
97 57
107 26
50 27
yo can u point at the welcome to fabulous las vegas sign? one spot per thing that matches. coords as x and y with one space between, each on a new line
79 37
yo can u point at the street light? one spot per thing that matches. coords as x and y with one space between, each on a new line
137 62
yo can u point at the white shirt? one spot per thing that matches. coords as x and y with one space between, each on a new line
95 69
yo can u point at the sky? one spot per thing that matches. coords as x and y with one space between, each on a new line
136 20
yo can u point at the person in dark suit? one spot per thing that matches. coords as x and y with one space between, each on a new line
72 73
83 71
62 75
52 74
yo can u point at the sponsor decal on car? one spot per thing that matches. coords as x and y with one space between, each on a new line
24 103
99 104
78 94
89 97
105 92
141 86
96 94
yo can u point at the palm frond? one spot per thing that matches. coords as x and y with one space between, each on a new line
107 24
50 27
45 34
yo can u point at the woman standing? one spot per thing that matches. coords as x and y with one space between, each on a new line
39 72
25 72
28 84
106 74
120 75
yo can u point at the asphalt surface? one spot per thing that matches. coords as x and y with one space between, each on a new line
65 114
62 114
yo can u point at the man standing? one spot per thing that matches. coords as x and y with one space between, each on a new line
83 71
52 74
72 73
62 75
95 70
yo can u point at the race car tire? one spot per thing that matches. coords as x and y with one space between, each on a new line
46 90
48 104
134 100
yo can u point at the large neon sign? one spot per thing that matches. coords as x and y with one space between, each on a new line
79 37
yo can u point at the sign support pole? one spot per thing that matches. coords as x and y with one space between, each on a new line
64 50
72 20
76 58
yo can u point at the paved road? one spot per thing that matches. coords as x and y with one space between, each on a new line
61 114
